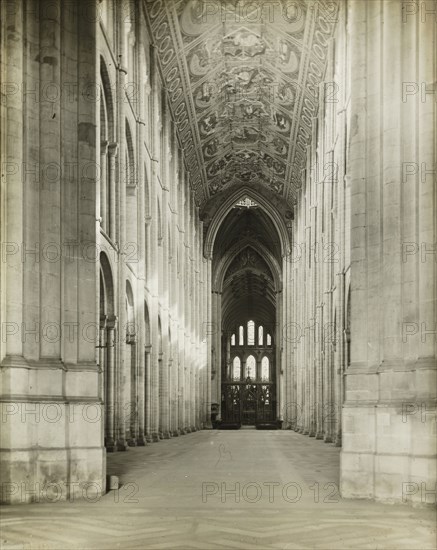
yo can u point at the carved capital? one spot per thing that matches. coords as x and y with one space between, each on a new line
112 149
111 322
103 147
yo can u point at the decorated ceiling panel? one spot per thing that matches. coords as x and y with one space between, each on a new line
243 84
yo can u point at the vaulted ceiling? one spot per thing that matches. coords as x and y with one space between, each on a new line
242 80
248 290
246 266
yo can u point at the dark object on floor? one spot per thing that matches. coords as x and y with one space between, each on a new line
274 425
228 426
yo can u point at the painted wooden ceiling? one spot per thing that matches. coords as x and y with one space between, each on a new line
243 83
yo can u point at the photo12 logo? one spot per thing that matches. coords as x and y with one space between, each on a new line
425 10
269 491
71 491
265 11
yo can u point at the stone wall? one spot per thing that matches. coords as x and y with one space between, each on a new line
390 387
49 375
316 335
103 285
360 339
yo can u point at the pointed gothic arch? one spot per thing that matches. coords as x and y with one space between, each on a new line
226 207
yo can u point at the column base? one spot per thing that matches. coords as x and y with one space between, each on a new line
141 441
132 442
155 437
51 475
327 439
175 433
110 446
207 425
149 438
165 435
122 445
319 435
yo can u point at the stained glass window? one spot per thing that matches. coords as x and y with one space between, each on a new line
251 367
241 336
265 369
250 333
260 335
236 368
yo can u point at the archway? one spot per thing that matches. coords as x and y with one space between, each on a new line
145 396
131 371
107 350
247 268
107 192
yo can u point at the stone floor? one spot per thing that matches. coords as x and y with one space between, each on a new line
222 489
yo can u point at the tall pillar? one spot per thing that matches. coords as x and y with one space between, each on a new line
110 225
12 184
133 409
393 364
50 155
119 236
103 186
141 402
164 397
111 339
147 394
48 287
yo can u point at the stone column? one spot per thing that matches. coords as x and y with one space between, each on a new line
181 330
164 398
218 355
157 434
141 402
103 186
50 192
282 326
153 313
148 394
13 190
132 434
393 358
228 354
111 223
111 340
102 354
339 360
280 358
318 375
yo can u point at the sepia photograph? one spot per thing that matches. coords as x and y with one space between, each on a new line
218 291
